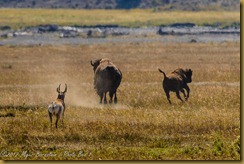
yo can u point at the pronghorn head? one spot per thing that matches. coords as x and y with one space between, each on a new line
61 95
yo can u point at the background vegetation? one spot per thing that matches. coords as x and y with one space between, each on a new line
189 5
19 18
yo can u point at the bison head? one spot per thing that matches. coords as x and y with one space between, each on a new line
188 73
95 64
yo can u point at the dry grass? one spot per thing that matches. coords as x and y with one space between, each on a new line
17 18
142 125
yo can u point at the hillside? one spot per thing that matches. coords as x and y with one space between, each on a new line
189 5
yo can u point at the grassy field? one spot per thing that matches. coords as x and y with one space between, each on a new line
142 126
17 18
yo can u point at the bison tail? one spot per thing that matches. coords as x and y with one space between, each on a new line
110 68
112 71
162 72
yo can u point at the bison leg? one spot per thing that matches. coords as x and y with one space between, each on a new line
182 90
101 97
178 95
105 99
167 95
115 98
111 94
188 92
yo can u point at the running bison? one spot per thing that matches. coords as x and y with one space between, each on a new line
176 82
107 79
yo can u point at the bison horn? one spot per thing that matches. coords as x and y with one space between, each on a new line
92 63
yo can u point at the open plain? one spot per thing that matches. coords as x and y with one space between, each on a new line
143 125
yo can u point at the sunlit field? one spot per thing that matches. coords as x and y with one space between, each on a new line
143 125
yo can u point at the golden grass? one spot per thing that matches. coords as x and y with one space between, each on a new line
17 18
142 125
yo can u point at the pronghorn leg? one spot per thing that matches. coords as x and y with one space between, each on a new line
50 116
58 116
63 116
64 109
63 119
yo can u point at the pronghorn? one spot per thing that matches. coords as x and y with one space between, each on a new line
57 107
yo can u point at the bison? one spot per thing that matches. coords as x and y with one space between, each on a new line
176 82
107 79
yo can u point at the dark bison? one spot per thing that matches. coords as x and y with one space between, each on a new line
176 82
107 79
